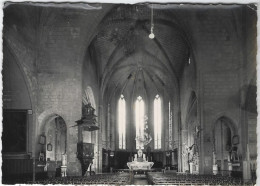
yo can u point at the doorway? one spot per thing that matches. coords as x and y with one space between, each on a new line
56 145
222 144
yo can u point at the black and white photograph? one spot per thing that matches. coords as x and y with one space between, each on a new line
129 94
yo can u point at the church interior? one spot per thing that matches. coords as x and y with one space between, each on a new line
116 93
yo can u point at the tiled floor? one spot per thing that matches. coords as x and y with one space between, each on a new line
140 180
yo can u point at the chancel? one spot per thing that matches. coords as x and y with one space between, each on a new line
129 94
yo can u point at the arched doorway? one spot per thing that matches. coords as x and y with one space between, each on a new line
223 132
55 149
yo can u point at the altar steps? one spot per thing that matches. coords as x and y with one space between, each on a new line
140 180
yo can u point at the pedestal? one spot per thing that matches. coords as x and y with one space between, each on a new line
63 171
191 167
246 171
230 168
215 169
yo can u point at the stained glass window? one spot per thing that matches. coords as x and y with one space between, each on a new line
139 121
170 126
157 122
122 122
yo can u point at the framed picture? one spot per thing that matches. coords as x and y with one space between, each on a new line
15 131
235 140
42 139
49 147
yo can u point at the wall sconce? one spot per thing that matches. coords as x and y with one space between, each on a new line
42 139
49 147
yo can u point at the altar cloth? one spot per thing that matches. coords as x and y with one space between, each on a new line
145 165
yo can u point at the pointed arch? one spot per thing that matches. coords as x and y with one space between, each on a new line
122 122
157 105
139 120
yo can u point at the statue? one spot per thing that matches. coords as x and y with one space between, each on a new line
41 157
145 138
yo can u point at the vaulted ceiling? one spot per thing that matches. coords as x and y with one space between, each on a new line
127 60
130 61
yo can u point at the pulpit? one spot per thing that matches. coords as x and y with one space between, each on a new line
85 154
85 151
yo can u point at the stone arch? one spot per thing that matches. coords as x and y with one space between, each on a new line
224 130
28 78
230 122
46 116
10 52
45 121
55 131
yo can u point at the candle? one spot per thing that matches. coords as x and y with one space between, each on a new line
135 157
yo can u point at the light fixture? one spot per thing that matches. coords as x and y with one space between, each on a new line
151 35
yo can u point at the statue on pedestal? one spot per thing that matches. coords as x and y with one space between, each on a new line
143 138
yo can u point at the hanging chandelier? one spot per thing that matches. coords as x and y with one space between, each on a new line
151 35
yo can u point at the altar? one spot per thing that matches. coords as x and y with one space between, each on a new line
135 165
140 162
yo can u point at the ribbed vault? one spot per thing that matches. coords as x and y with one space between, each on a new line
129 61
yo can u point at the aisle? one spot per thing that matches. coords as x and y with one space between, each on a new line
140 180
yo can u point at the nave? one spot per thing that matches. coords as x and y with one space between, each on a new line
165 89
